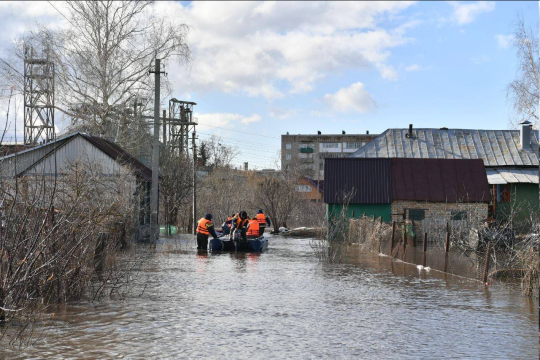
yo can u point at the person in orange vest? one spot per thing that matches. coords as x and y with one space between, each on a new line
240 223
205 228
263 221
253 229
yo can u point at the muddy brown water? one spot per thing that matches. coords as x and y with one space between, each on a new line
284 304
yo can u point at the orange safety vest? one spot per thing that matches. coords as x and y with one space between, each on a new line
241 223
261 218
253 229
203 225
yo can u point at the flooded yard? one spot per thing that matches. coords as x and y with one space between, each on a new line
284 304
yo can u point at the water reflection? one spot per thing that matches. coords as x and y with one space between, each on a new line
284 304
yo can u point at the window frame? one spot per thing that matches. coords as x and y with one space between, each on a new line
416 218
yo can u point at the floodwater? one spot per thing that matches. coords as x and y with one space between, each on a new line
284 304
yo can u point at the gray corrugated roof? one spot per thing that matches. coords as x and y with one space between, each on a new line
111 149
495 147
512 176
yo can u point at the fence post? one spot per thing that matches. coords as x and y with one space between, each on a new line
414 237
405 239
392 239
447 243
486 266
353 214
424 261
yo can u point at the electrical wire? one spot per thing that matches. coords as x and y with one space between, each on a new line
237 140
238 131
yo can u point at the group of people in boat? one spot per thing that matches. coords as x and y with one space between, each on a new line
239 222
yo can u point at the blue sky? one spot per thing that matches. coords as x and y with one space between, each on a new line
270 68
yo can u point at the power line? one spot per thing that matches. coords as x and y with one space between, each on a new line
251 147
239 140
58 11
243 132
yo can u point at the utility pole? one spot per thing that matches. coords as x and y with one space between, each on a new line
164 127
155 157
194 183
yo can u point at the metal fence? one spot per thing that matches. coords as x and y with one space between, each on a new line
483 252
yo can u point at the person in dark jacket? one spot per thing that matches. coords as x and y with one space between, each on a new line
226 227
205 228
240 223
263 221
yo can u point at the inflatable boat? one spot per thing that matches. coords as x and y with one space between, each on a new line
223 243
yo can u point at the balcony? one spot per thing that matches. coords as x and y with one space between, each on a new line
306 150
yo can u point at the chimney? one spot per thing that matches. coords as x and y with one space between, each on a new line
318 133
367 132
342 132
245 166
409 134
525 135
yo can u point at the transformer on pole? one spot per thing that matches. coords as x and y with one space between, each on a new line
181 123
38 97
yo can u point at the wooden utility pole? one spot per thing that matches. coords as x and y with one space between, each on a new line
155 157
194 183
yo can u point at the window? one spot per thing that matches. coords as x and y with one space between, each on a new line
287 156
302 156
330 145
302 188
305 146
459 215
288 146
417 214
354 145
321 166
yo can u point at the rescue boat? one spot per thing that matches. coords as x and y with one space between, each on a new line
223 243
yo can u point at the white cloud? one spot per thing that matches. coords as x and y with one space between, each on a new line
466 12
413 67
273 48
354 98
211 121
263 49
388 72
504 40
17 16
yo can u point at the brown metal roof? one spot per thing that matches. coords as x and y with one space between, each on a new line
120 155
439 180
381 181
368 181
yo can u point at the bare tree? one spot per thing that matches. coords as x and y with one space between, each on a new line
175 186
102 58
277 197
523 92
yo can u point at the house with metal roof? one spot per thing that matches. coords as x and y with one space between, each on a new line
510 158
56 157
413 189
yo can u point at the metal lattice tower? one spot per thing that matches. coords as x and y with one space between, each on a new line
181 123
38 97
